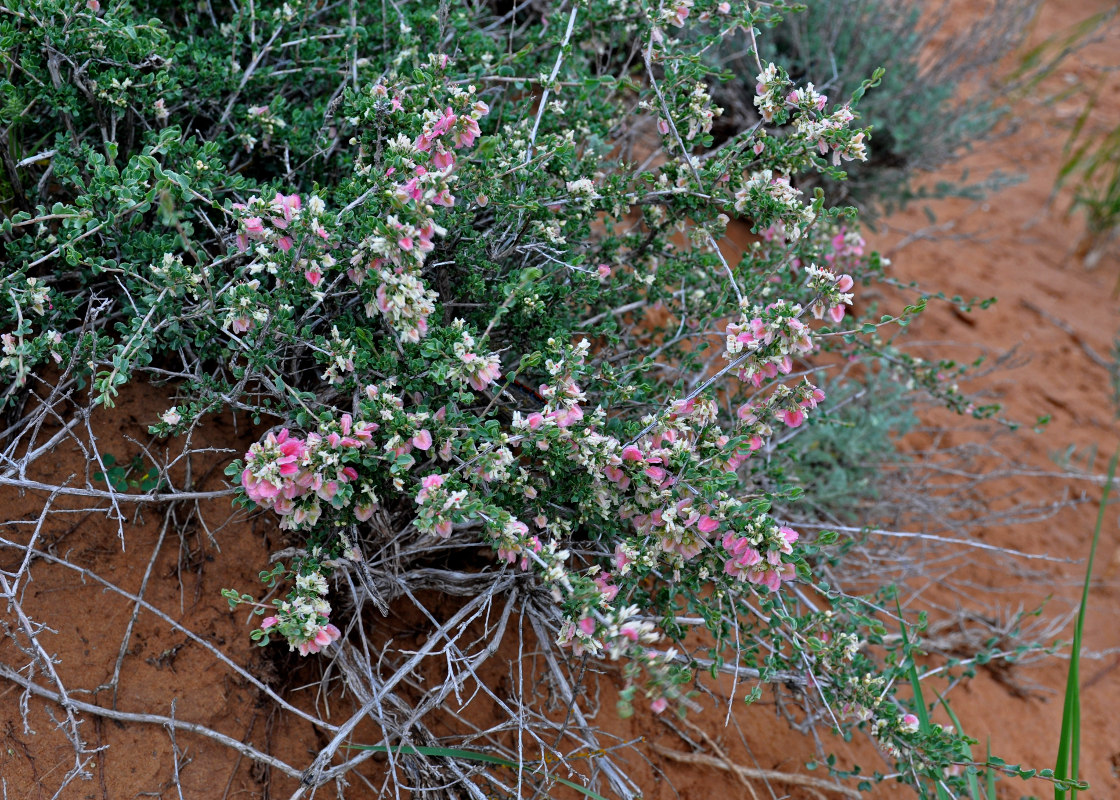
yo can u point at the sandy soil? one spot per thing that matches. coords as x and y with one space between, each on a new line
1058 321
1058 316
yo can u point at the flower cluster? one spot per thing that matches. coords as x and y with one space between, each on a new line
700 112
832 132
833 292
418 183
303 618
289 245
171 273
292 475
439 506
341 353
515 544
768 340
477 371
745 562
269 222
777 99
269 124
771 87
764 188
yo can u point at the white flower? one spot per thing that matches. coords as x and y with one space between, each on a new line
583 186
172 416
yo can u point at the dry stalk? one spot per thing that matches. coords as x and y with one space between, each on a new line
816 785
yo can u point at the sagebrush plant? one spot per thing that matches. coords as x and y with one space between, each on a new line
466 267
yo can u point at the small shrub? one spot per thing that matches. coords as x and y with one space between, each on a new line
462 265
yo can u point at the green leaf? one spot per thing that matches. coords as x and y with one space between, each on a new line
1069 743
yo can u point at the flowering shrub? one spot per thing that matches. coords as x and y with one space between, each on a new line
479 298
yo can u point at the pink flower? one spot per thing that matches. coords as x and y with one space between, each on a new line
427 483
254 227
587 625
327 634
607 589
680 13
284 243
793 417
443 159
268 622
683 408
631 453
241 324
630 631
487 371
659 705
467 133
567 416
707 524
382 298
910 723
616 475
313 276
444 124
745 412
287 206
422 440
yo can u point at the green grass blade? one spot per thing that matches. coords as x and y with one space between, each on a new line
916 687
973 782
471 755
915 684
1069 744
990 773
